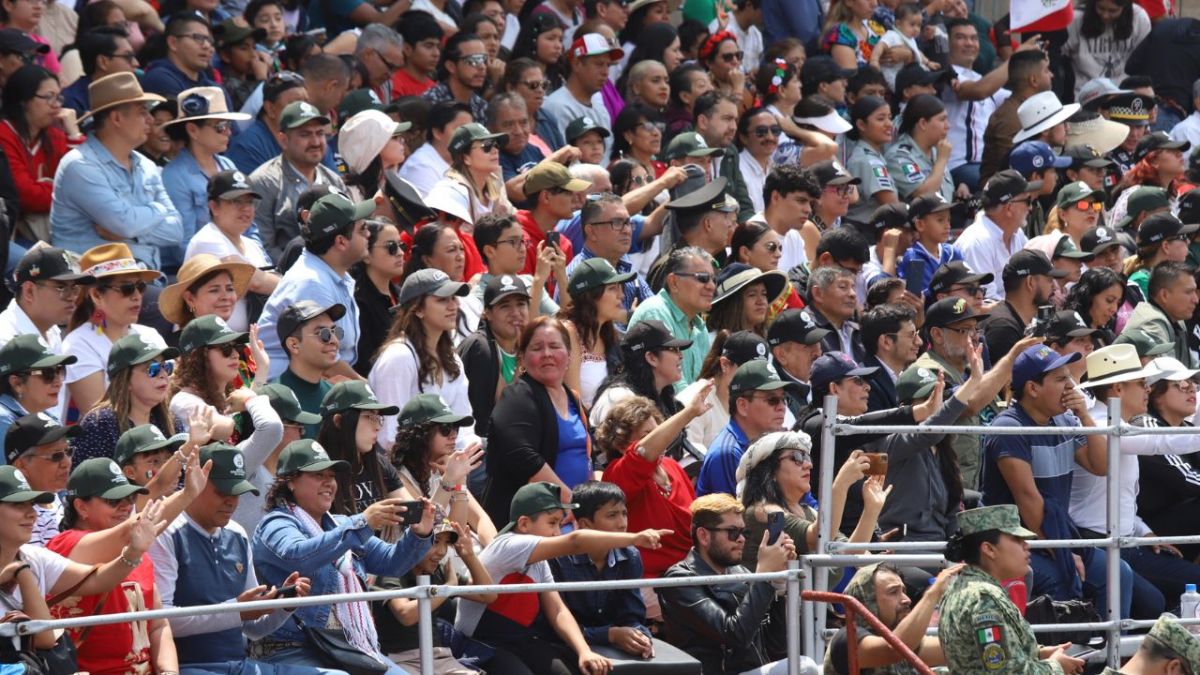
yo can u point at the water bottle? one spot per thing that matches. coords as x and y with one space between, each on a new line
937 609
1189 603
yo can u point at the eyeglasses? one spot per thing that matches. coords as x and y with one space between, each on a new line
63 291
447 430
660 127
734 533
228 349
49 375
126 289
701 277
971 333
1089 205
773 400
733 56
639 180
1184 386
616 224
286 76
326 334
50 98
156 368
855 379
474 60
515 242
907 336
800 457
392 67
840 190
537 85
221 126
972 289
372 417
129 57
489 145
55 458
762 131
393 247
199 37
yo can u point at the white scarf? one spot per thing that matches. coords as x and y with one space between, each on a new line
355 617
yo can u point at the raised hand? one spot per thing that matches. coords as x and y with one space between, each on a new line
258 352
700 403
461 463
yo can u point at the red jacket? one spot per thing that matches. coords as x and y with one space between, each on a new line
650 508
33 172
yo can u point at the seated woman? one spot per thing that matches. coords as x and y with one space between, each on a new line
31 377
137 394
376 289
728 351
350 420
755 244
651 364
598 294
743 299
372 145
475 165
300 534
211 360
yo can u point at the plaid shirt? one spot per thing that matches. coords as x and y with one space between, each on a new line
440 93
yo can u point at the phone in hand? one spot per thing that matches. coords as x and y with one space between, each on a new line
774 526
286 592
914 277
412 512
879 463
552 240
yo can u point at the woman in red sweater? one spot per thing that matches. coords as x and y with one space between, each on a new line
33 142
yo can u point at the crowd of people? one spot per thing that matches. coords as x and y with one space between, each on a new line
317 298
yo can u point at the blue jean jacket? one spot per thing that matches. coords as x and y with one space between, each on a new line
281 546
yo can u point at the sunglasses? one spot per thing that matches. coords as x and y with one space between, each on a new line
55 458
734 533
489 145
840 190
476 60
393 247
221 126
326 334
975 291
639 180
117 503
772 246
701 277
1089 205
800 457
774 400
49 375
733 56
774 130
157 368
660 127
536 85
64 291
126 289
447 430
228 349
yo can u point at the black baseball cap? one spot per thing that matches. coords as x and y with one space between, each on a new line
956 272
1086 155
501 286
1189 207
1005 186
47 263
744 346
294 316
820 69
1158 140
1099 239
890 216
13 41
927 204
1162 226
795 325
229 185
652 335
1066 325
949 311
1066 248
32 430
831 172
1028 262
914 74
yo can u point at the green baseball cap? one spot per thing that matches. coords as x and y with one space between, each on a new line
354 394
14 488
582 125
306 455
1146 346
357 101
209 330
467 134
1004 518
28 352
333 212
690 144
101 477
132 350
299 113
535 498
228 473
1178 639
596 273
424 408
1077 192
756 375
1141 199
915 383
145 438
285 403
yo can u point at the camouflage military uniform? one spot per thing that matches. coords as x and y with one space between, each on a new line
1174 637
862 588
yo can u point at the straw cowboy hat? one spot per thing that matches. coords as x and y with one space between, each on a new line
170 301
117 89
109 260
204 103
1113 364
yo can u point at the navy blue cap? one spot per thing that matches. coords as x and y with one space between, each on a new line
1033 156
1036 362
833 366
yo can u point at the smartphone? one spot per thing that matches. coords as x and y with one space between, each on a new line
552 239
914 277
286 592
879 463
1080 651
774 526
412 512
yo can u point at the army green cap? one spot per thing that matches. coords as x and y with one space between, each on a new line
915 383
1146 346
285 403
27 352
424 408
14 488
1004 518
582 125
209 330
690 144
357 101
354 394
464 136
101 477
1141 199
299 113
228 473
145 438
756 375
333 212
306 455
595 273
132 350
548 174
1168 631
1076 192
535 498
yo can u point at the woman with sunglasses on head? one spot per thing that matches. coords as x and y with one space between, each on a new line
597 306
202 130
30 380
107 311
376 289
638 135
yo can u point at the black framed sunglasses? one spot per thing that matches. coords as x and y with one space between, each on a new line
49 374
447 430
126 289
762 131
228 349
326 334
730 57
489 145
393 247
701 277
734 533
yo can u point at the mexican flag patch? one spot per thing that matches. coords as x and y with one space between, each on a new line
880 171
990 635
911 171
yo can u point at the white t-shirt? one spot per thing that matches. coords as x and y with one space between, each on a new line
507 561
45 564
393 378
91 347
424 168
968 120
894 38
563 108
754 176
592 371
792 244
427 6
210 239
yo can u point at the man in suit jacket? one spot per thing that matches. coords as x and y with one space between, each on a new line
890 336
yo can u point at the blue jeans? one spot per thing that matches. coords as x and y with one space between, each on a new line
303 656
1047 579
1164 571
252 667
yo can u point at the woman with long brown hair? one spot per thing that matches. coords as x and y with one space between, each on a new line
351 417
210 363
475 165
597 294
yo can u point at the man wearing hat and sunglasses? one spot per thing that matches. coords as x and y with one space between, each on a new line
104 190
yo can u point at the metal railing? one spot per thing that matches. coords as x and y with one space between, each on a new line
838 554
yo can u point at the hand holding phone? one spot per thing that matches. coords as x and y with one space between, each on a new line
774 527
412 512
914 277
286 591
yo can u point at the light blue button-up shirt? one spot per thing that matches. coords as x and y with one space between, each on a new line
187 185
91 188
311 278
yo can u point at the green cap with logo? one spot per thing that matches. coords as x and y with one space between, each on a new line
582 125
1168 631
1145 345
596 273
467 134
228 473
132 350
28 352
145 438
1077 192
286 405
1143 198
306 455
1004 518
915 383
535 498
101 477
32 430
354 394
14 488
357 101
756 375
424 408
690 144
209 330
333 212
299 113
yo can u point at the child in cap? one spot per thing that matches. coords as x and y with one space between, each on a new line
930 218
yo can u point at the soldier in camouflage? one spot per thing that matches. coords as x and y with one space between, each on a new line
1167 650
981 630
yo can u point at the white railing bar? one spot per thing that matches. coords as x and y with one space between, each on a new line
852 429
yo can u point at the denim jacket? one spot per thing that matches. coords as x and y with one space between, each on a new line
281 546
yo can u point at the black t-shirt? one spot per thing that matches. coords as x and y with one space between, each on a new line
395 637
1002 329
364 489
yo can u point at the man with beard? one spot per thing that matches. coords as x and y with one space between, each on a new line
1028 280
465 61
881 589
789 193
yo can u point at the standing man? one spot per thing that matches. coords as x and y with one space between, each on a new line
589 58
998 231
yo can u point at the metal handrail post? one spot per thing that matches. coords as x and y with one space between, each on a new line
825 514
425 623
808 610
1113 518
793 617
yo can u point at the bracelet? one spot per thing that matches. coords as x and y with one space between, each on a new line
459 498
130 563
168 672
451 488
